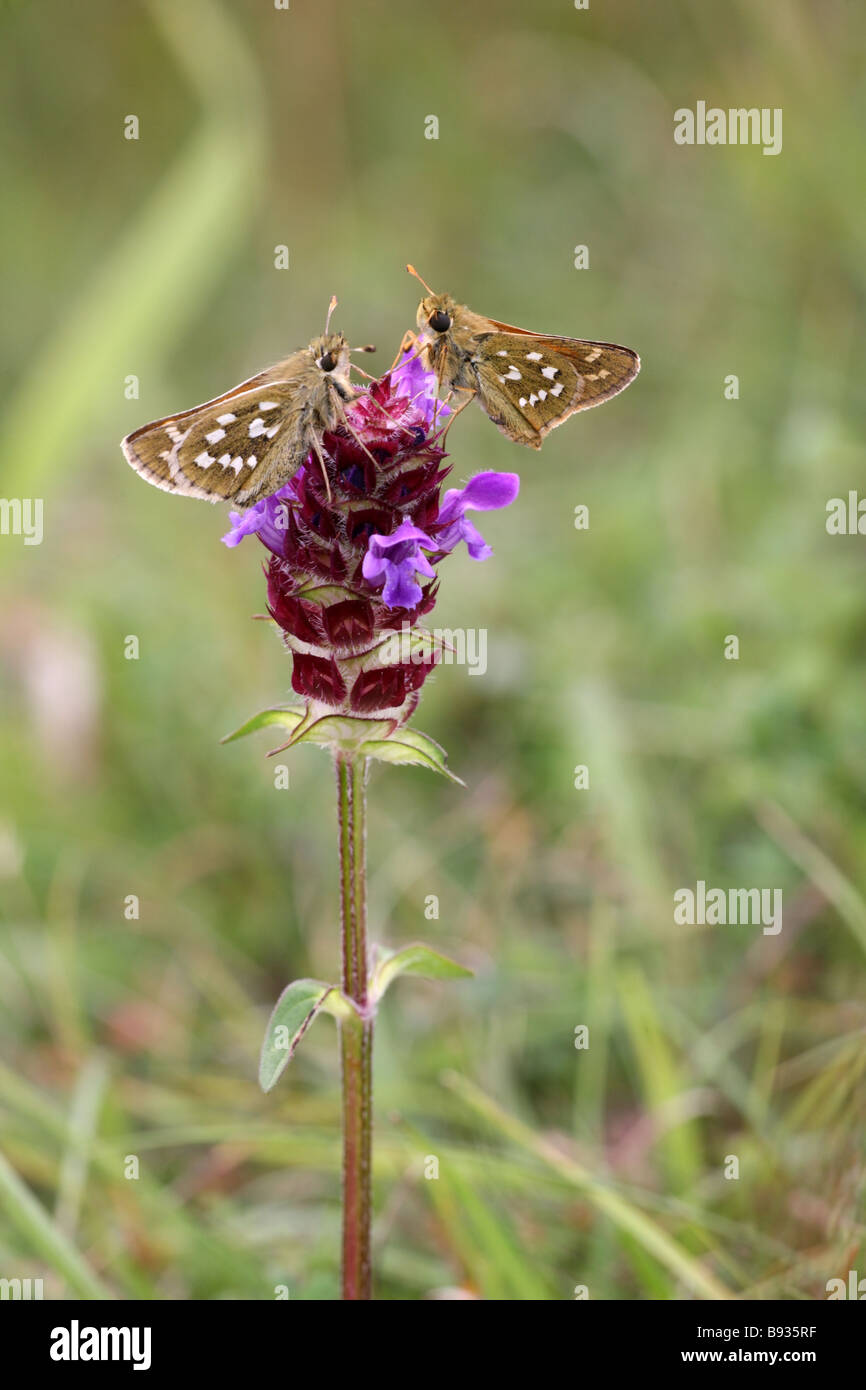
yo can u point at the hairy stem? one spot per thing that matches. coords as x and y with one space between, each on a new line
356 1038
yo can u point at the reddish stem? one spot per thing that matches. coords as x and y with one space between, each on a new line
356 1039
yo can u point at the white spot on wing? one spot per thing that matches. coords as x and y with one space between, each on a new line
534 356
549 372
257 427
215 436
522 402
591 356
204 459
503 352
512 374
275 429
226 419
557 389
267 405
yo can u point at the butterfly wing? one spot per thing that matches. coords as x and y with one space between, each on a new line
529 383
239 445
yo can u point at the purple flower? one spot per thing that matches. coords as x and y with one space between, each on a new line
484 493
397 558
267 520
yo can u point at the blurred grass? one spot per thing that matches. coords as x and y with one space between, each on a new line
140 1037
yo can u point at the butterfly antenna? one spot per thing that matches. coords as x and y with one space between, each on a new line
331 307
412 271
369 347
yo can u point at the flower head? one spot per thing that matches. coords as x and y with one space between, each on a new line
352 559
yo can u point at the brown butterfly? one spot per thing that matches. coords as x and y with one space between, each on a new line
249 442
527 383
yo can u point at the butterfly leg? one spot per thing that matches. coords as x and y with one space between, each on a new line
317 450
437 402
410 340
470 393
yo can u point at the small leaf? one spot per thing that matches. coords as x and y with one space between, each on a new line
416 959
410 746
289 718
293 1013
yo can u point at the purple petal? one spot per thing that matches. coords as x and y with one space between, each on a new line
401 589
463 530
411 379
394 546
475 542
266 519
484 493
374 566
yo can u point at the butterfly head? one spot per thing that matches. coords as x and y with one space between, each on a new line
436 315
330 353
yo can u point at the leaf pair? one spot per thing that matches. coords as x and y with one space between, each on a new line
302 1000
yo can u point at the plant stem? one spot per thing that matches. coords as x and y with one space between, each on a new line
356 1039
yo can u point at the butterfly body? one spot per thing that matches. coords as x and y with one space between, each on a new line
247 443
527 383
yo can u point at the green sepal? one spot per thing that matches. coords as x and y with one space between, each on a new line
410 746
352 734
415 959
324 594
415 640
292 1015
346 732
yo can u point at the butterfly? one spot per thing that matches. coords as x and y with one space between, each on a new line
249 442
527 383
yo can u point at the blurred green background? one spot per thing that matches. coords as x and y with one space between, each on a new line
155 257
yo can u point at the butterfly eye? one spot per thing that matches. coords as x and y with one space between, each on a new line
440 322
327 362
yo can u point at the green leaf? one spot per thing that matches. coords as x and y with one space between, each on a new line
415 959
410 746
293 1013
288 718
